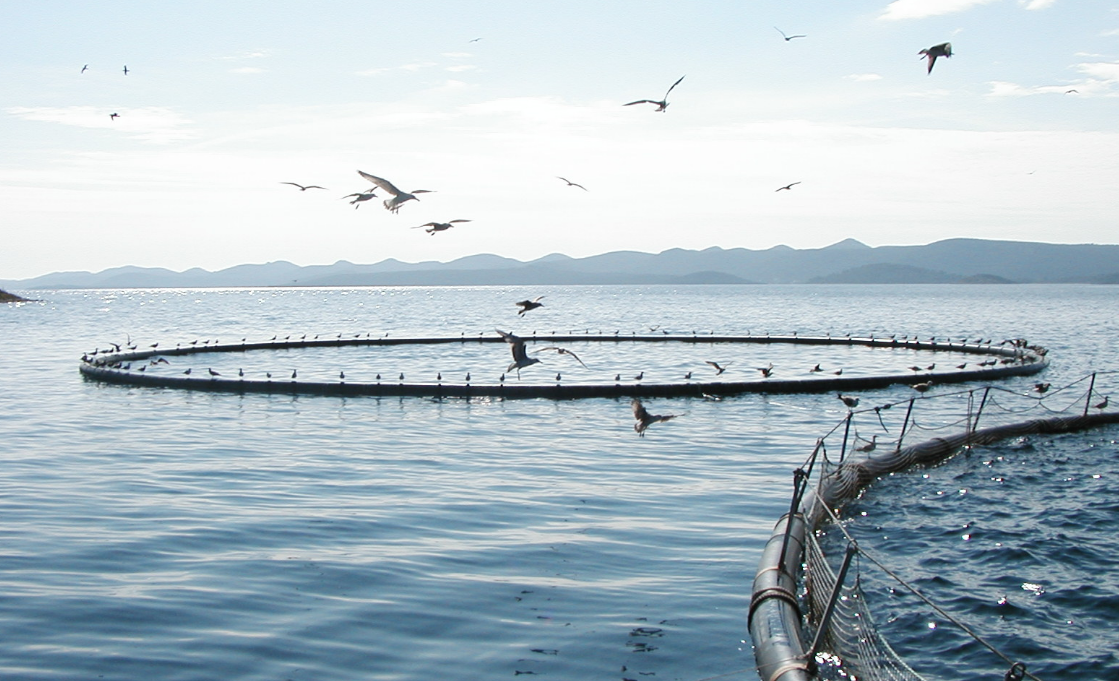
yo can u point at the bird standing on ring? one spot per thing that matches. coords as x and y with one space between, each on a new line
434 227
851 402
520 355
941 50
398 196
1103 405
527 305
661 104
869 447
644 418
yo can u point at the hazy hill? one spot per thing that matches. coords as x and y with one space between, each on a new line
848 261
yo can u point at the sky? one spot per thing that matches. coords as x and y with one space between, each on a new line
487 104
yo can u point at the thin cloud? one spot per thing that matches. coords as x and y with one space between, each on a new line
411 68
919 9
1036 4
157 125
863 77
248 70
461 67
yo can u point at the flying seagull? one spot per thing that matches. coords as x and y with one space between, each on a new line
303 188
563 351
662 104
788 37
644 418
114 116
520 355
572 184
398 197
788 186
718 369
434 227
941 50
359 197
527 305
126 70
85 67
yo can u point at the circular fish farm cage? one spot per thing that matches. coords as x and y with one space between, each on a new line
342 366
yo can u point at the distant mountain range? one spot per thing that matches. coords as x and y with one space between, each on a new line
846 262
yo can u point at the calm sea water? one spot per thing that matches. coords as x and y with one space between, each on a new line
153 533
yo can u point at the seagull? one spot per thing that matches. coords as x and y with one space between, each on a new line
359 197
719 369
788 37
213 373
766 371
788 186
644 418
851 402
1041 387
1103 405
520 355
662 104
941 50
114 116
572 184
474 40
527 305
563 351
639 376
438 226
869 447
85 67
398 197
1067 92
815 369
126 70
303 188
922 387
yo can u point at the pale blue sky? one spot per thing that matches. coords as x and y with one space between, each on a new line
226 100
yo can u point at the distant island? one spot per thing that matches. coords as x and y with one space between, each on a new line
6 297
951 261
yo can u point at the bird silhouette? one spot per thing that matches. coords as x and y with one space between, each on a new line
434 227
520 355
114 116
787 187
719 369
563 351
788 37
766 371
213 373
1041 387
126 70
922 387
303 188
1103 405
941 50
572 184
359 197
870 446
398 197
85 67
527 305
661 104
644 418
851 402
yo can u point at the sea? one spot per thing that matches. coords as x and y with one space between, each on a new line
157 533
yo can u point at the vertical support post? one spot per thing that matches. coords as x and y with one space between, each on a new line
825 620
904 425
846 431
800 483
1091 389
982 403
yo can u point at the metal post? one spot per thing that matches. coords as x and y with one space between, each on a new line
846 430
1091 389
982 403
825 620
800 483
904 425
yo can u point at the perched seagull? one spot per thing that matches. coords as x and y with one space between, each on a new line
563 351
815 369
520 355
719 369
788 186
662 104
1103 405
788 37
303 188
359 197
114 116
85 67
922 387
572 184
527 305
398 197
870 446
851 402
213 373
126 70
941 50
644 418
434 227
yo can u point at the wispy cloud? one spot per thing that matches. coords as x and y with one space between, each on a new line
247 70
918 9
1102 78
863 77
1036 4
410 67
157 125
247 54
